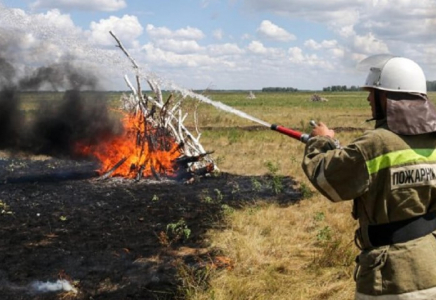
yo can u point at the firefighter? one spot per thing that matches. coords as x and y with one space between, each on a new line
390 174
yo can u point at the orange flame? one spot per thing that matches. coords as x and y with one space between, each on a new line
143 149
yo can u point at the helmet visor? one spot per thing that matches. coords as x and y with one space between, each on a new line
374 64
374 61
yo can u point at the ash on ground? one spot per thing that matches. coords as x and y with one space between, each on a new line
114 238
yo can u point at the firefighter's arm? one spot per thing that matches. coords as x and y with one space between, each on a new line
338 173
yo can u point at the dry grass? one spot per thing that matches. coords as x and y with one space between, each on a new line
302 251
285 253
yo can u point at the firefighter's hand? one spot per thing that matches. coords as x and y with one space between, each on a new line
322 130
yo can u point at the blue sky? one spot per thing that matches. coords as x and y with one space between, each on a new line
228 44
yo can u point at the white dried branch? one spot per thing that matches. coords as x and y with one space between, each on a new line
158 93
132 88
168 117
141 96
198 138
120 45
196 120
183 129
184 117
135 65
179 138
176 106
136 103
180 124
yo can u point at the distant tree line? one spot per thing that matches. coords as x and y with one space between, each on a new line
279 89
340 88
431 85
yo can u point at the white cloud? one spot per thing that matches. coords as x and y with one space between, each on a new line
296 56
342 18
91 5
126 28
268 54
331 47
178 46
368 44
326 44
361 27
342 32
218 34
271 31
337 52
386 20
312 44
358 57
334 13
346 31
31 41
406 20
225 49
53 19
257 47
188 33
160 57
38 38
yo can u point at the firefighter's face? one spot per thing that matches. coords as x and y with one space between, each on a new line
371 100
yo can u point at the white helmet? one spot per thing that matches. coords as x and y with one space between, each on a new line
397 74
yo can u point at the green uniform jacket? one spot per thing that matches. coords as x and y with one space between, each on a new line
391 178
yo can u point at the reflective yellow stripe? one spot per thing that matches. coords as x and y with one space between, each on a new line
399 158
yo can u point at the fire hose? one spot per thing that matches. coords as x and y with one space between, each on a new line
302 137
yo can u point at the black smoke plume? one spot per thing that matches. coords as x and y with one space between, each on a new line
7 73
55 127
11 119
59 77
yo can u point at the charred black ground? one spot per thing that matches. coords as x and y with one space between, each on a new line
116 238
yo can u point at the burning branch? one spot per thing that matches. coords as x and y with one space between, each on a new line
160 137
113 169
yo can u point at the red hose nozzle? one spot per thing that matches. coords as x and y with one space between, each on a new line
303 137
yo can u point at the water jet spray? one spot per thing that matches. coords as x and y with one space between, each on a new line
302 137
